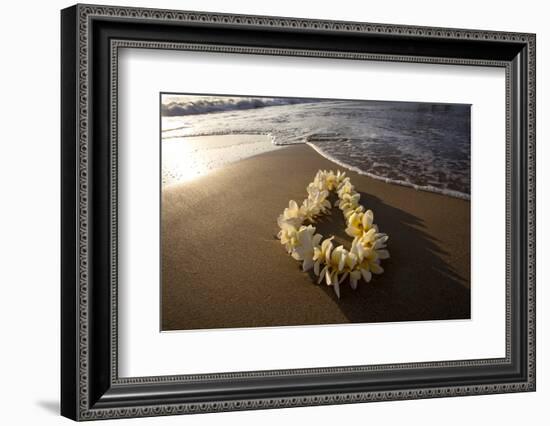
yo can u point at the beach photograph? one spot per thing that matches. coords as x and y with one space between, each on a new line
286 211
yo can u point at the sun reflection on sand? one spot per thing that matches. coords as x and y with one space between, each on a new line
187 158
178 162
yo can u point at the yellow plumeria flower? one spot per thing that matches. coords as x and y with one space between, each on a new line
373 239
348 212
359 223
370 265
368 256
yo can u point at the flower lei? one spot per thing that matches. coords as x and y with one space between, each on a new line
333 265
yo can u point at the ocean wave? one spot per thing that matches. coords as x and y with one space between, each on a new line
429 188
214 104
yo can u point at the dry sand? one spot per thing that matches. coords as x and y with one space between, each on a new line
222 265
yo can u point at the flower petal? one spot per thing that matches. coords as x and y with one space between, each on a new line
322 275
308 264
337 289
316 267
383 254
368 218
343 277
316 239
376 268
366 275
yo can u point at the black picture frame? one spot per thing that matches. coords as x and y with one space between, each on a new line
90 38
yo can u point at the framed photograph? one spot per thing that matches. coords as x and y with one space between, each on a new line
263 212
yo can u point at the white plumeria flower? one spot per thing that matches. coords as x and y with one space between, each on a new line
321 255
317 200
288 236
331 269
310 210
380 243
349 212
306 242
333 180
349 202
292 213
342 262
346 188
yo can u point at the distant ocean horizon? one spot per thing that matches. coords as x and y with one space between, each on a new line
420 145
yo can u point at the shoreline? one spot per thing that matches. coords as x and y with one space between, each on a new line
222 266
266 136
448 192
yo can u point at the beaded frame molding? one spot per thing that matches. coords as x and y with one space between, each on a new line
91 39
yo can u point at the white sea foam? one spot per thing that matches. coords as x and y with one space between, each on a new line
429 188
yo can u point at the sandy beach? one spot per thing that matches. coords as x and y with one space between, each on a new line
222 266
